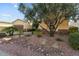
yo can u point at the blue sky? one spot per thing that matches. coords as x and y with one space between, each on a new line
9 12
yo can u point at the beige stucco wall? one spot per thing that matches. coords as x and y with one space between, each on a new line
44 26
63 25
26 25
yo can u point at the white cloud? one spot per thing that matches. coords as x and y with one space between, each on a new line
15 5
6 15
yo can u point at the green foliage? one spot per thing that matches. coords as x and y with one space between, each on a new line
2 35
10 30
73 29
30 14
74 40
38 33
35 24
52 14
29 30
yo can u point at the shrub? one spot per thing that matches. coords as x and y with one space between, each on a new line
10 30
38 33
30 30
74 40
2 35
73 29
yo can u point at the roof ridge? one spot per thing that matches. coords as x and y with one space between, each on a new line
11 22
18 19
5 22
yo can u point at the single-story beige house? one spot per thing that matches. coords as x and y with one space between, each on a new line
18 23
21 24
62 26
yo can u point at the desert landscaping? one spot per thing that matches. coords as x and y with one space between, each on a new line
37 46
42 29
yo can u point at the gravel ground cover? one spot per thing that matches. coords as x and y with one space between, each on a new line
34 46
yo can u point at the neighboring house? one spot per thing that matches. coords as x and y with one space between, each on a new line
62 26
73 23
18 23
21 24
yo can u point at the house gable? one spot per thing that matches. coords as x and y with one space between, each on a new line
20 23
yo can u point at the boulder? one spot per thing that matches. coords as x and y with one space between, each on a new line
55 45
27 33
6 39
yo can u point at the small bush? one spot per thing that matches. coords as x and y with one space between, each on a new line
10 30
2 35
30 30
73 29
38 33
74 40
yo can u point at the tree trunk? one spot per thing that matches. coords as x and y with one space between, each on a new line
32 32
52 30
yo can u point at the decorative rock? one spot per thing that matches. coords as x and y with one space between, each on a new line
0 41
43 42
55 45
28 47
47 54
15 37
39 48
11 43
6 39
27 33
62 53
42 50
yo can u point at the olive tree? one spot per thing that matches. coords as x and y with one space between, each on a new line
52 14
